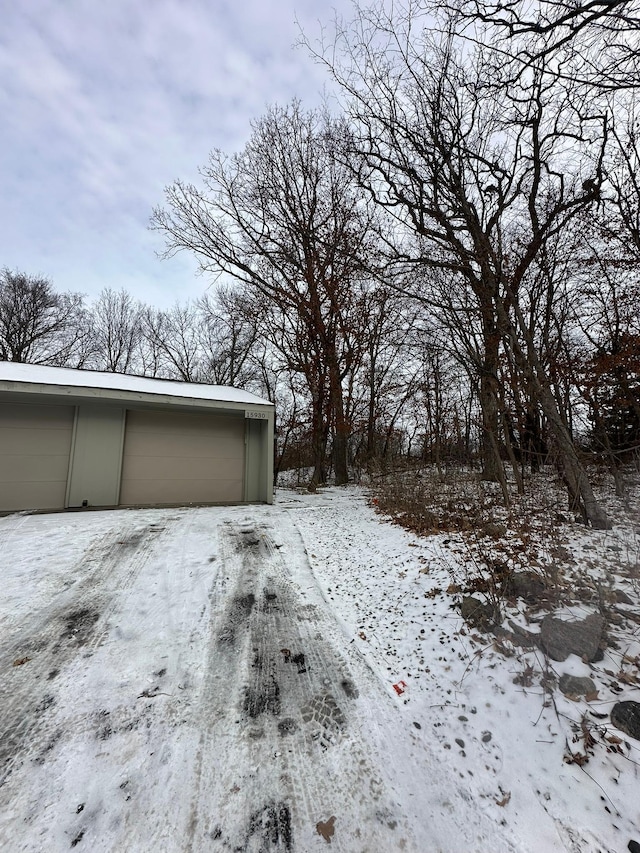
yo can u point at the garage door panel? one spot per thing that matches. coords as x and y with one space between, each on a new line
177 457
33 469
179 423
36 495
181 491
26 415
197 445
176 468
35 443
47 442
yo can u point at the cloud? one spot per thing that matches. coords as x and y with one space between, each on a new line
104 104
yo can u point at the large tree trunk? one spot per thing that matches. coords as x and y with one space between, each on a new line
371 450
492 465
319 434
341 427
581 497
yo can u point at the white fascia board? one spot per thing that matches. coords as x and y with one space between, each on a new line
131 397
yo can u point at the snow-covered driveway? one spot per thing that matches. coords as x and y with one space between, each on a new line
221 679
173 680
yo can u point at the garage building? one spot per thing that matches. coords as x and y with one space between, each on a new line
79 438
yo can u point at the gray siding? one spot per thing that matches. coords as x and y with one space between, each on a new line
96 457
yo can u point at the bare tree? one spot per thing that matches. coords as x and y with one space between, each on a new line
117 331
387 375
283 218
477 176
229 334
174 336
593 42
37 324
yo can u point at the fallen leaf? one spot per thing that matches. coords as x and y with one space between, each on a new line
326 829
578 758
21 661
504 800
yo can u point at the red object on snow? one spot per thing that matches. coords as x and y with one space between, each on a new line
400 687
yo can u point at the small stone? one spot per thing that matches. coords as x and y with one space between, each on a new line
526 585
477 613
486 737
460 742
417 725
633 846
463 719
621 597
495 531
626 717
572 685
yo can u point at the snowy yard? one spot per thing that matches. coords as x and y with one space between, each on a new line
223 679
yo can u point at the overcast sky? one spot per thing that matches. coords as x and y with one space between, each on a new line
105 103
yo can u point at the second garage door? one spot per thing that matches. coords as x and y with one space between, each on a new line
176 458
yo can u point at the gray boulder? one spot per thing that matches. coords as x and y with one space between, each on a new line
526 585
626 717
572 685
583 637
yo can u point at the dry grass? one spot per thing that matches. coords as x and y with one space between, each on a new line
536 538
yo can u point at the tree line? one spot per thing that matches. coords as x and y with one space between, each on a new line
447 267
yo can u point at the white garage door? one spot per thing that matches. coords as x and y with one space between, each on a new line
35 442
178 458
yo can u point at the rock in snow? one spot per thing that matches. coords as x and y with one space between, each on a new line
572 685
581 637
626 717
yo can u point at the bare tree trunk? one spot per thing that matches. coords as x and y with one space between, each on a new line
502 479
318 437
517 473
492 466
612 459
581 497
341 427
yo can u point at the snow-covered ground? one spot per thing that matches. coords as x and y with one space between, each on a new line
223 679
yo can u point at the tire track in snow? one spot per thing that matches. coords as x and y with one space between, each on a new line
283 756
77 623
